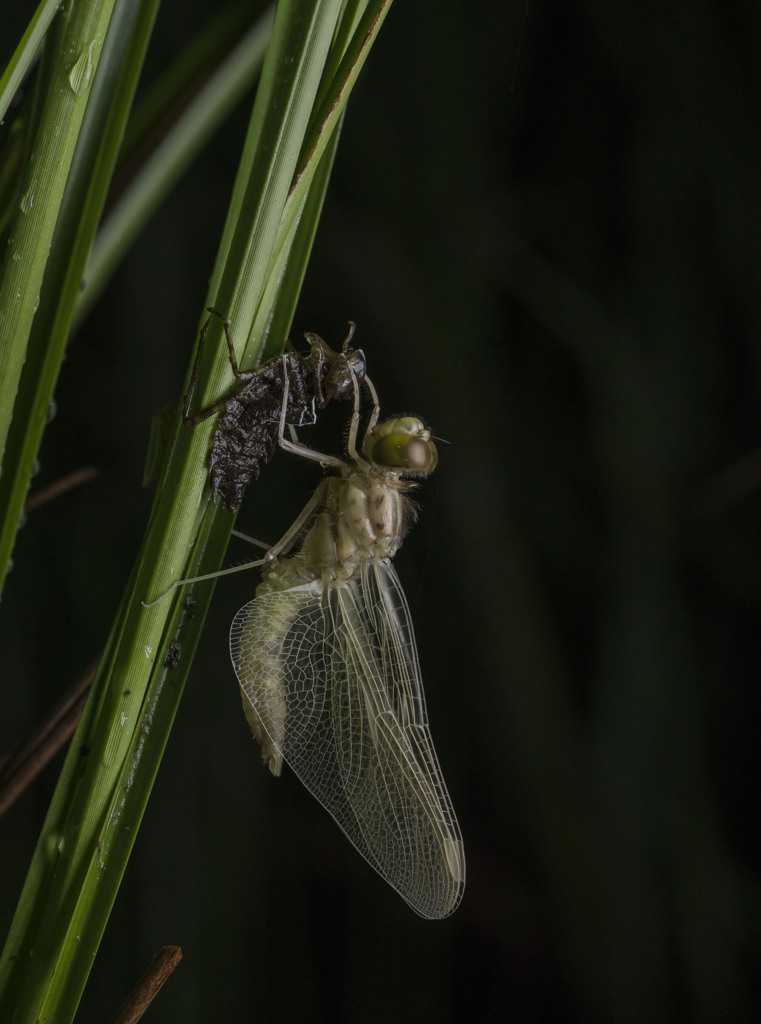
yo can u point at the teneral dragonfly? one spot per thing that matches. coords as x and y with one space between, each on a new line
327 663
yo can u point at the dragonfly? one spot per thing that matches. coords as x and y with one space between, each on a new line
328 668
246 434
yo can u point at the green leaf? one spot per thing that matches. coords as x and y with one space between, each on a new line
222 87
45 178
109 771
63 187
22 60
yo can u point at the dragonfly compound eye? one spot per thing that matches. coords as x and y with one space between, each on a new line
403 445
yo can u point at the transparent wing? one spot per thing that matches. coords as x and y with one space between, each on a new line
332 675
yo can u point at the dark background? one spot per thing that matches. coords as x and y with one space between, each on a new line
545 222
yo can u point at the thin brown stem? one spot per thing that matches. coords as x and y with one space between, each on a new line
21 766
149 986
55 490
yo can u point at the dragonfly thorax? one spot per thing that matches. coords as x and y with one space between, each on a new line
364 518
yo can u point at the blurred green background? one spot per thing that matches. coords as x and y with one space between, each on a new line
545 221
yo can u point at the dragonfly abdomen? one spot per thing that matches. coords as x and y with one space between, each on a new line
256 645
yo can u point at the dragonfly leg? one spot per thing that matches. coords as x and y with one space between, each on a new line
250 540
295 446
206 576
376 405
286 542
351 445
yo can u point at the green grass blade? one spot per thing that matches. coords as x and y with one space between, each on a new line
26 53
45 179
98 143
177 149
287 276
98 804
332 103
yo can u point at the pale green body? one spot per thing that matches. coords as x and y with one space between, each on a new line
326 658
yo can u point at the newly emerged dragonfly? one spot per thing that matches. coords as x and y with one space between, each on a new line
326 659
246 434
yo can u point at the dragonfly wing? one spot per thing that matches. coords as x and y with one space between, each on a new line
333 677
396 808
265 637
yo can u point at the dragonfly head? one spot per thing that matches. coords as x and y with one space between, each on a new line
401 445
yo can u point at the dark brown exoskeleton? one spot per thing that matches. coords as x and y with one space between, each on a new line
246 435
